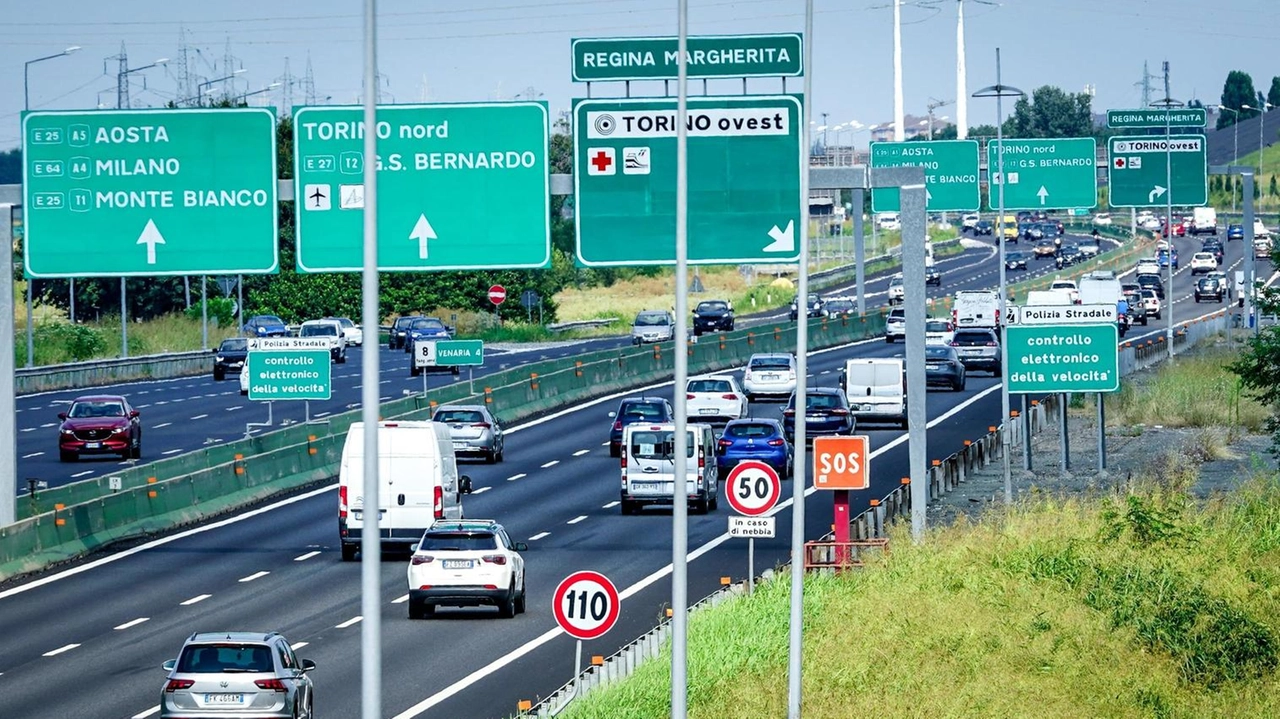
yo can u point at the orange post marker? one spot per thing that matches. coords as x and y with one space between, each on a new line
151 480
524 705
669 612
153 494
59 507
597 660
875 503
906 480
59 522
725 581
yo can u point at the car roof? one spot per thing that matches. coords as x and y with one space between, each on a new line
98 398
762 355
754 420
467 407
464 525
236 637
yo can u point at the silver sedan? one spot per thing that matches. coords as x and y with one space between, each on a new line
475 431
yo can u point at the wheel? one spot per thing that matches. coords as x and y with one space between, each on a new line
457 371
342 358
136 451
419 610
888 339
415 371
520 599
713 503
1197 301
219 375
349 552
507 608
700 506
615 450
502 452
629 507
491 457
67 456
997 371
730 327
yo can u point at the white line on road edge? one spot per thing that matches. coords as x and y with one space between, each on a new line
255 575
60 650
195 600
552 463
401 599
611 505
482 490
485 671
82 474
168 452
133 623
581 452
538 536
514 477
143 715
305 557
577 519
350 622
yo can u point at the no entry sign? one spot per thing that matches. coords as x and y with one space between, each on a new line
497 294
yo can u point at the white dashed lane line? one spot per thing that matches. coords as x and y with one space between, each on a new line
33 454
350 622
298 645
581 452
552 463
195 600
60 650
514 477
255 575
170 451
400 599
162 424
232 409
29 429
132 623
611 505
538 536
143 715
577 519
199 416
47 425
482 490
85 473
305 557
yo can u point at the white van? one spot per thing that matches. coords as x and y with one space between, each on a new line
648 466
876 389
418 483
976 308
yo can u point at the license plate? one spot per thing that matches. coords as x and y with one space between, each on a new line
932 366
646 486
769 377
459 445
92 445
814 418
224 699
706 410
971 352
456 564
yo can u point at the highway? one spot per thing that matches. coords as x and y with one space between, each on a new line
105 626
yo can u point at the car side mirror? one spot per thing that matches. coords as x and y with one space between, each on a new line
307 665
520 547
134 413
62 415
169 665
214 351
464 484
612 415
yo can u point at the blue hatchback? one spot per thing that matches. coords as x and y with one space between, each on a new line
266 326
759 439
426 328
826 412
1235 232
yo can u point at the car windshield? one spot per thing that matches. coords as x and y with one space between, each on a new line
345 322
656 319
936 352
750 430
640 412
234 345
712 307
318 330
457 542
973 338
840 306
216 659
402 322
427 324
821 401
937 326
458 415
760 363
649 444
96 409
707 386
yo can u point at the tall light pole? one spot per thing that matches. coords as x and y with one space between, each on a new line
1235 150
268 88
1262 121
1168 104
1000 91
26 106
122 98
899 131
200 93
934 105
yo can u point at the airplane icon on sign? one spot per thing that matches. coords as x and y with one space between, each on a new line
317 197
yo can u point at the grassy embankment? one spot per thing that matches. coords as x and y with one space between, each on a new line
1139 603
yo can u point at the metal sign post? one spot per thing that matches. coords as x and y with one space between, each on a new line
679 503
8 432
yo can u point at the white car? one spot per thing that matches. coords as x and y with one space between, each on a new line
888 221
466 563
1203 262
350 330
1151 301
1069 286
897 290
1151 223
969 221
938 332
772 373
1260 230
244 378
716 396
895 325
1148 266
1102 219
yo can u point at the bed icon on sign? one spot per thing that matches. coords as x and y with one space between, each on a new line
635 160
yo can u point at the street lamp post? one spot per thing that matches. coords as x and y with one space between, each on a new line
1262 120
1235 150
26 105
1000 91
268 88
200 92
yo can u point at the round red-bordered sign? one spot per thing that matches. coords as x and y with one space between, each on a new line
752 487
586 604
497 294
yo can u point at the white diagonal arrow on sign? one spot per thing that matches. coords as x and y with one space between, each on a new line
422 231
1042 194
1157 192
151 237
783 240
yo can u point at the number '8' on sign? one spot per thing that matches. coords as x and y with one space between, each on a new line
586 605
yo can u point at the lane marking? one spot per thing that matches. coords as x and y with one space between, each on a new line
514 477
60 650
47 425
581 452
33 454
552 463
29 429
82 474
298 645
232 409
305 557
255 575
482 490
577 519
162 424
143 715
400 599
321 414
604 443
199 416
538 536
132 623
195 600
168 452
350 622
611 505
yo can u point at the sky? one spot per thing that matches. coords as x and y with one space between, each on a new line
483 50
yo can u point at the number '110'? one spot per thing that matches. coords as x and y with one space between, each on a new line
598 607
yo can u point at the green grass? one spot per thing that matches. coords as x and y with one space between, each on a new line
1196 390
57 341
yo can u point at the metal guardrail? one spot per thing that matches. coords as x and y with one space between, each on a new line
581 324
107 371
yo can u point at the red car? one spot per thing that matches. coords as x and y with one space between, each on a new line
100 424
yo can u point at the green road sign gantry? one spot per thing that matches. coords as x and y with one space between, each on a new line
1138 171
744 165
1157 117
149 192
707 56
1063 358
460 187
950 173
1044 174
451 353
290 374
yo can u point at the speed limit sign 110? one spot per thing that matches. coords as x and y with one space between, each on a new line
752 487
586 605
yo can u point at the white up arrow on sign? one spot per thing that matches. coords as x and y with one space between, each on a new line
783 240
422 231
150 237
1042 194
1157 192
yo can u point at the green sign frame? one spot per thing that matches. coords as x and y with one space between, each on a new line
1062 358
744 165
709 56
1138 170
441 167
950 173
454 353
290 375
1154 117
1044 174
127 193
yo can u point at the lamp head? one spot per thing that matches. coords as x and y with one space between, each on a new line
71 49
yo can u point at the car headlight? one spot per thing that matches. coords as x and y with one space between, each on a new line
67 431
219 358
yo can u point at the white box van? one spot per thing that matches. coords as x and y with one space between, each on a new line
1204 220
976 308
876 389
418 483
648 466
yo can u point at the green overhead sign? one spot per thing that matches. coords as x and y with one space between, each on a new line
448 353
708 56
460 187
1150 171
290 374
149 192
1043 174
1063 358
950 173
744 164
1157 117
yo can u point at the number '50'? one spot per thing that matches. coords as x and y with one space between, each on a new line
839 463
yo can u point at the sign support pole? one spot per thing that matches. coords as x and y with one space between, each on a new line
1102 433
1246 179
751 559
577 666
204 312
841 527
1026 436
680 502
8 433
1066 446
124 321
859 250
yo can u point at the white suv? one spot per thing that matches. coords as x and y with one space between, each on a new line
1203 262
897 290
769 374
716 396
466 563
895 325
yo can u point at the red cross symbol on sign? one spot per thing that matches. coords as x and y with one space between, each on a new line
601 161
1120 163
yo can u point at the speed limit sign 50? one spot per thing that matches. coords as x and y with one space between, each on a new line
752 487
586 605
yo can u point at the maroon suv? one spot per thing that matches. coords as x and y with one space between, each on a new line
100 424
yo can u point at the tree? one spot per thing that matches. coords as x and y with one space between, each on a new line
1050 112
1258 367
982 131
1273 95
11 167
1237 91
1274 190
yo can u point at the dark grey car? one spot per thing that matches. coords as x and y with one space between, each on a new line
237 674
942 366
978 349
473 429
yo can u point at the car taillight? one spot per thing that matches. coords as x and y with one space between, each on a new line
746 376
838 411
624 460
702 462
725 443
342 502
776 442
954 343
791 374
617 425
176 684
274 685
485 425
438 500
789 412
991 344
729 396
422 559
688 395
495 559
